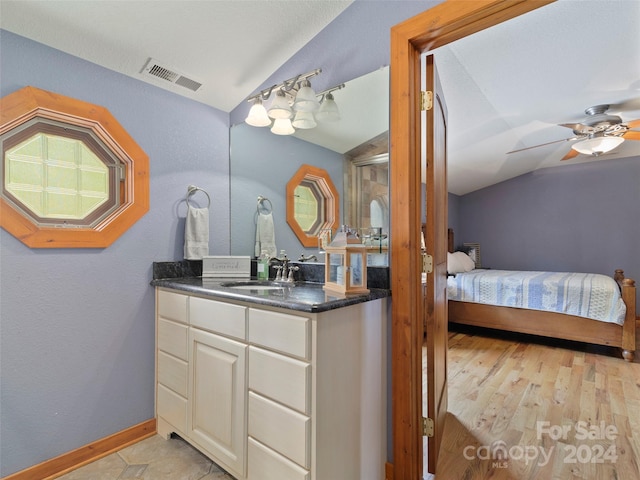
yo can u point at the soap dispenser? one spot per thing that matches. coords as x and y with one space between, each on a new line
263 266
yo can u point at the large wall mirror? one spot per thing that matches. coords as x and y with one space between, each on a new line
353 152
71 175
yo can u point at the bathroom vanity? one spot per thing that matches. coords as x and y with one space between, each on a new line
279 382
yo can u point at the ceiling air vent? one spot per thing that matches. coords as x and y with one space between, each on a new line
155 69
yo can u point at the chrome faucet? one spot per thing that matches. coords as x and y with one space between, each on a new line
284 272
307 259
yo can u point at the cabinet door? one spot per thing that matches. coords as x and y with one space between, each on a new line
217 402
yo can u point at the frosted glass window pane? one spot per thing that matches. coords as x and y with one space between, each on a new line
306 207
25 172
56 177
61 177
61 149
94 183
61 205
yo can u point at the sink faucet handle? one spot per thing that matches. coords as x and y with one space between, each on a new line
293 268
278 269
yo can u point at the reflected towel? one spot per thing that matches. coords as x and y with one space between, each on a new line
265 235
196 233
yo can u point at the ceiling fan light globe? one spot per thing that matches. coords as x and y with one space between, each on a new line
597 145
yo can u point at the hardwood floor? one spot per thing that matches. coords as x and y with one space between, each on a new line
547 410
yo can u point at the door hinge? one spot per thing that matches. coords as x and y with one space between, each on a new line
427 427
426 100
427 263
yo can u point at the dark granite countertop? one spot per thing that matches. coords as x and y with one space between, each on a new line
301 296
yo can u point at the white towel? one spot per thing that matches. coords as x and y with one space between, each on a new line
265 235
196 233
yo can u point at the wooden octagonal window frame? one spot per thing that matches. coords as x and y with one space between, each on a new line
327 197
39 107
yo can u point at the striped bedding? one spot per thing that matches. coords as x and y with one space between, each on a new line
587 295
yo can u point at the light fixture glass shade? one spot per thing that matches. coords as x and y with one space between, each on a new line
282 126
306 100
597 145
258 115
280 107
328 110
304 120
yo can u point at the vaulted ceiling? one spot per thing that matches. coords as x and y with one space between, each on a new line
507 88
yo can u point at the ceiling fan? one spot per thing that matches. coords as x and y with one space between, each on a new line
598 133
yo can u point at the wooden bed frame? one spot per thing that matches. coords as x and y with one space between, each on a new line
555 325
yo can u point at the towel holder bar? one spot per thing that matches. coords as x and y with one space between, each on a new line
192 190
262 204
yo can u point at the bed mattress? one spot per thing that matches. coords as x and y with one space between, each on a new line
587 295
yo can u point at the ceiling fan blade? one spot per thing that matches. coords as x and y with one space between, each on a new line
628 105
631 135
572 153
573 126
578 127
543 144
633 123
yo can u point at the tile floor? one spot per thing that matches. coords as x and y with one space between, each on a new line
152 459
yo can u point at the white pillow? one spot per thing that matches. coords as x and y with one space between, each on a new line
453 264
459 262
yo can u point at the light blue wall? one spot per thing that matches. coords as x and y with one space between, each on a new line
261 164
357 42
77 325
583 218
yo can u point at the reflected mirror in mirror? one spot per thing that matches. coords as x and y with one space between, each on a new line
312 204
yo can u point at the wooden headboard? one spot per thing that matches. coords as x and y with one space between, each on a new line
450 243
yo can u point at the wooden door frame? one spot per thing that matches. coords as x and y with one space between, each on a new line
438 26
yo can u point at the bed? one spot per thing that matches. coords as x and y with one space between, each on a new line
587 317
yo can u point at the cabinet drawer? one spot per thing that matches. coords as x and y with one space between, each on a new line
280 428
281 378
172 306
173 373
278 331
265 464
173 338
218 317
172 407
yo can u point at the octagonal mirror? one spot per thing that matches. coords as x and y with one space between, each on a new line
312 204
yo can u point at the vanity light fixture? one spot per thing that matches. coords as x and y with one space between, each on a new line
280 107
306 100
328 110
258 114
295 105
597 145
282 126
304 120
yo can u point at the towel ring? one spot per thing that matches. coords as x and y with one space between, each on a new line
192 190
261 203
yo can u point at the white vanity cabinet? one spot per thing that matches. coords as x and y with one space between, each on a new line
204 402
275 394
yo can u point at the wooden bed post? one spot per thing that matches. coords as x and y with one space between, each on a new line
628 291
